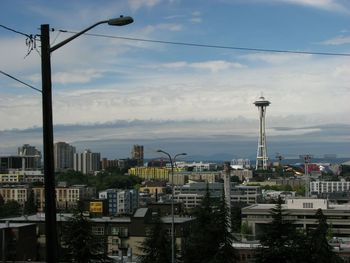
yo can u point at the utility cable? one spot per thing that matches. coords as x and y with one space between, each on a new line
15 31
30 39
214 46
20 81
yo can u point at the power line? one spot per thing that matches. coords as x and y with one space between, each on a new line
30 39
16 31
20 81
214 46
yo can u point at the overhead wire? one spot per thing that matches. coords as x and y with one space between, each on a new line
20 81
214 46
15 31
30 39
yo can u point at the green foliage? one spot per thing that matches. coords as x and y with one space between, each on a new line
156 247
30 207
235 179
81 244
224 238
279 241
209 240
10 208
236 218
113 178
320 250
246 229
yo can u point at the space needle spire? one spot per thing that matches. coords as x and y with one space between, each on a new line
261 156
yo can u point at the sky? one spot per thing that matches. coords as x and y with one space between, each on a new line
109 93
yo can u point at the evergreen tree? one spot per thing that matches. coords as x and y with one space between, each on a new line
10 208
278 238
225 252
30 205
199 247
320 250
210 238
81 244
156 247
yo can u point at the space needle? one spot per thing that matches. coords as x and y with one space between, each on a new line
261 156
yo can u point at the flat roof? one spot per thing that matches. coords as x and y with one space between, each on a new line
141 212
40 217
9 225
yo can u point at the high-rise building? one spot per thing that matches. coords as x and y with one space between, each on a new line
87 162
63 156
137 154
261 156
32 152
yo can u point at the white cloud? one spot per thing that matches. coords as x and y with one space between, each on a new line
216 66
329 5
339 40
276 58
213 66
77 76
137 4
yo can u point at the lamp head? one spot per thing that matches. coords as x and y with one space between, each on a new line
120 21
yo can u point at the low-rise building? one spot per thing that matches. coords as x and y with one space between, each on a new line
302 213
11 178
319 187
119 235
18 193
120 202
18 242
67 197
191 194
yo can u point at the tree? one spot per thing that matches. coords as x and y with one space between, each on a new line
10 208
320 250
199 247
225 252
30 205
278 238
210 239
81 244
156 247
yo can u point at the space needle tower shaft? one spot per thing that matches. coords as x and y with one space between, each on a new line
261 156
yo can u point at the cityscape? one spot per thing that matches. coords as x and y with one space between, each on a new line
171 131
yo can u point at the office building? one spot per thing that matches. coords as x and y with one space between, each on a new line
302 213
191 194
320 187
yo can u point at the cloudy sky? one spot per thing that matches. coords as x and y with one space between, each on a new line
112 92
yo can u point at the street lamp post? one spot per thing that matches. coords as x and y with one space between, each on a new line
50 199
172 161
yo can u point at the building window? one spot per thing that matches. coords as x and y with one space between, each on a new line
114 230
115 241
308 205
98 230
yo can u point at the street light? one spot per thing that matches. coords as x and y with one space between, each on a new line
172 161
50 205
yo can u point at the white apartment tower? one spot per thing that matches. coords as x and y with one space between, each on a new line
63 156
87 162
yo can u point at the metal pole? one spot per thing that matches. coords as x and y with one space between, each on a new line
50 193
172 212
